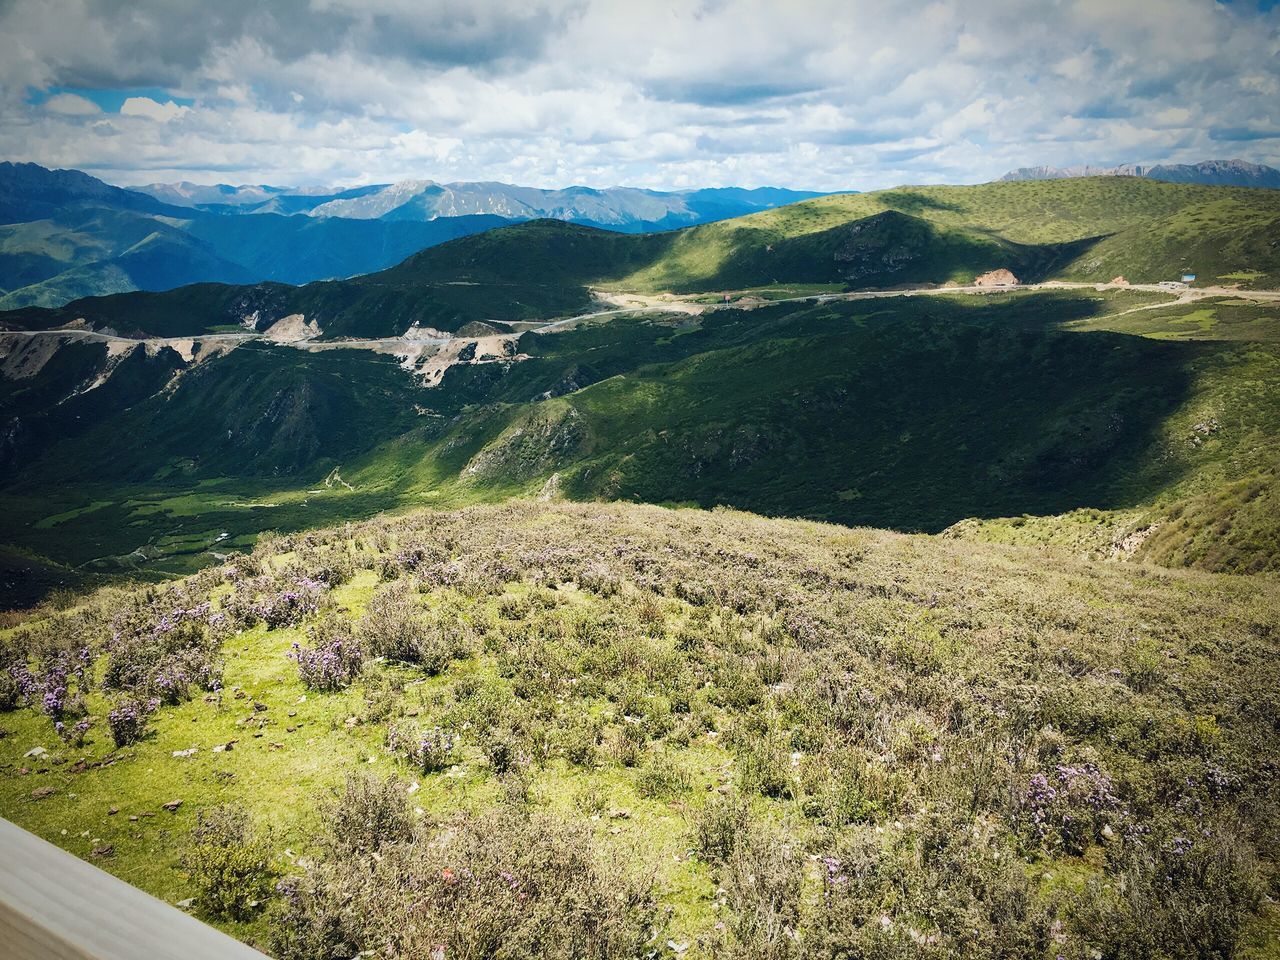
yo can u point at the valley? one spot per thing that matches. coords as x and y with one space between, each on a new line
549 359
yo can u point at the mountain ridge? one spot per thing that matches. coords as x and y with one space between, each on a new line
63 232
1232 173
632 209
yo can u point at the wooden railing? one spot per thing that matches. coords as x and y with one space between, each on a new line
54 906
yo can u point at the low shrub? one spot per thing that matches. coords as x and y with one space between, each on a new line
396 626
430 749
288 606
10 695
504 884
365 814
579 742
762 880
333 660
502 748
1179 897
1070 806
717 827
662 777
229 866
127 720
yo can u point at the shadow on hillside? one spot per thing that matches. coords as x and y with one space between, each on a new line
887 249
910 414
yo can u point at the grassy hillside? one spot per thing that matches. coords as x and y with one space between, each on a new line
1144 230
1018 411
915 413
615 731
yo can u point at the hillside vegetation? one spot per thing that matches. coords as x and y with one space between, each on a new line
914 413
616 731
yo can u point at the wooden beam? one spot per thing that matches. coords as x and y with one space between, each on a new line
54 906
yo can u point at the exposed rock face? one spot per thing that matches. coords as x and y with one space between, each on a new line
881 245
1119 282
996 278
292 328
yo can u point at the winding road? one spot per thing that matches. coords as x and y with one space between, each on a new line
639 303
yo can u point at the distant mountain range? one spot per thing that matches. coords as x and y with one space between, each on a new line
619 208
66 235
1222 173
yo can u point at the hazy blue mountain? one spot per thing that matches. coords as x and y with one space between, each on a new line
628 209
29 191
66 235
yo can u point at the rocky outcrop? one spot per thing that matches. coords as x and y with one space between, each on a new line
996 278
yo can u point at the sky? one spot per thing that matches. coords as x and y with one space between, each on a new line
666 94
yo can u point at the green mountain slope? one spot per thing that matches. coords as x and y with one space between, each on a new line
1145 230
1155 418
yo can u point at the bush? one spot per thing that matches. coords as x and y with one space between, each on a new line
229 867
127 720
9 692
286 607
662 776
764 767
502 748
1071 806
1178 897
366 814
429 749
762 880
499 885
396 627
718 826
333 660
161 645
579 742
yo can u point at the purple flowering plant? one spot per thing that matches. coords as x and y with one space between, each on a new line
430 749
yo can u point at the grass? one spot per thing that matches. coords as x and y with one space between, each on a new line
1213 318
896 660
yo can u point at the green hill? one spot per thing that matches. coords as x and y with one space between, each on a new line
1144 230
618 731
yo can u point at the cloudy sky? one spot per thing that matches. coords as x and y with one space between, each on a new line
824 94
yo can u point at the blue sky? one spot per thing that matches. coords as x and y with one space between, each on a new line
822 94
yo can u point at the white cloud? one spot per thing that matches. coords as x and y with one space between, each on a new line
71 105
811 93
151 109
